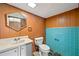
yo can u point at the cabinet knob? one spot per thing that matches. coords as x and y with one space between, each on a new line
15 50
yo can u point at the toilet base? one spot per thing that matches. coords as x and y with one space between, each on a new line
37 53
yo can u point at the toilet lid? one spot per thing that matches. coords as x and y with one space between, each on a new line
44 47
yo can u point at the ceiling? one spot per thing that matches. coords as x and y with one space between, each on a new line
46 10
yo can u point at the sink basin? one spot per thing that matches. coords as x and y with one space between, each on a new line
8 41
18 41
12 41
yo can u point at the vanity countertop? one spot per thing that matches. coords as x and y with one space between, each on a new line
6 45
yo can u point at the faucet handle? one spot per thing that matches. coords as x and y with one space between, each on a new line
18 38
15 39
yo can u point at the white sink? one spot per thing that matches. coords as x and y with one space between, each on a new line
15 40
12 41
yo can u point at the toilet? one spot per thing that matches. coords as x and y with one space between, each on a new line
43 48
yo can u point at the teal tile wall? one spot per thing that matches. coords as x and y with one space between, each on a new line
63 40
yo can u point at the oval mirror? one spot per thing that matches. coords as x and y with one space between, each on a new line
16 21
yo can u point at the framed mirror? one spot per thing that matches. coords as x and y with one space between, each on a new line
16 21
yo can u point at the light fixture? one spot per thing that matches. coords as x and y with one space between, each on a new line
32 5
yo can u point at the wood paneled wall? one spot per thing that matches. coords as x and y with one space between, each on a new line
36 22
66 19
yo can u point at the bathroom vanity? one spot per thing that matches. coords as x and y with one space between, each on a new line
16 46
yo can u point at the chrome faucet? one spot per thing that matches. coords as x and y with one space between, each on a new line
16 39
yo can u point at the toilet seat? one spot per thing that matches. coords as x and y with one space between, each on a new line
44 48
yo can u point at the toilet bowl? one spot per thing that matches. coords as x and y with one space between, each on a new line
43 48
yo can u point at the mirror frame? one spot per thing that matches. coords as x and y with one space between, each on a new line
6 17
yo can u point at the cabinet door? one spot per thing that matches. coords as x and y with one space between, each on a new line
23 50
29 49
26 50
11 52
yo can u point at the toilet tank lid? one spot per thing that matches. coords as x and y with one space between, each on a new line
44 47
38 38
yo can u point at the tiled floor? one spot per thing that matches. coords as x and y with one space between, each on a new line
50 54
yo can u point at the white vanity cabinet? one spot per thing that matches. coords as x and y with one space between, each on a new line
10 52
22 46
23 50
26 50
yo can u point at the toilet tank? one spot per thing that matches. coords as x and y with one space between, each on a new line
38 41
